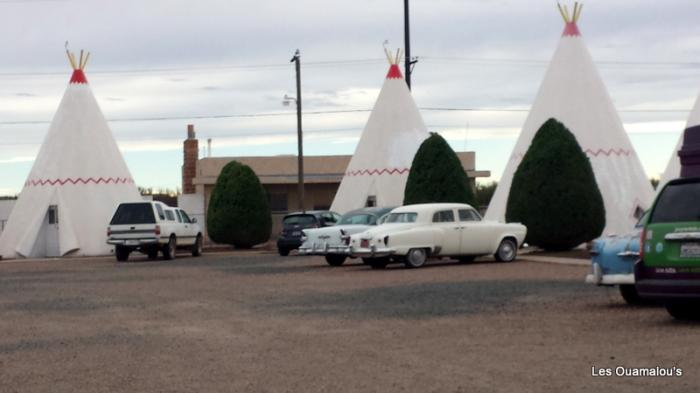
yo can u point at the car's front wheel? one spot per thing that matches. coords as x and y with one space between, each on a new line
416 257
170 248
197 247
507 251
335 259
122 253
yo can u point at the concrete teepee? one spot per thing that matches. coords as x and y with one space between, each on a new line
379 168
573 93
78 179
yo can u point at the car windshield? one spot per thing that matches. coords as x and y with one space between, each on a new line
677 203
401 217
358 219
133 213
299 219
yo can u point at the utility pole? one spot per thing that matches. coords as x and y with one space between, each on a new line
300 141
407 43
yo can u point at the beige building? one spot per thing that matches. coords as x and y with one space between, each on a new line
278 175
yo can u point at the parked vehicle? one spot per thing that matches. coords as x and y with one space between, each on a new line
333 242
613 258
669 266
411 234
152 227
293 223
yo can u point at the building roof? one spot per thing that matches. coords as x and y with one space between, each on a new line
283 169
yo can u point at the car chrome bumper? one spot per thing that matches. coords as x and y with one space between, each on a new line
372 252
323 249
597 277
133 242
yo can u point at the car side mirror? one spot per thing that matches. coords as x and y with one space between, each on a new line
194 220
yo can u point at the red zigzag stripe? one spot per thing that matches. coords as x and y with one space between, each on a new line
594 153
79 180
371 172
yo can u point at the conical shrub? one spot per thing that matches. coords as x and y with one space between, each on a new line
238 213
554 192
437 175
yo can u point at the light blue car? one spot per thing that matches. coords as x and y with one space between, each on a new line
613 258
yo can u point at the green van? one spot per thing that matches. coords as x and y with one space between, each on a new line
669 265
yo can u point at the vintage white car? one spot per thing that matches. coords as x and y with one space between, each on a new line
413 233
332 242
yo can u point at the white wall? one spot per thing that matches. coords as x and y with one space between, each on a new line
5 209
193 205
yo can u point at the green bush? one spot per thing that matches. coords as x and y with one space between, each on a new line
238 212
437 175
554 192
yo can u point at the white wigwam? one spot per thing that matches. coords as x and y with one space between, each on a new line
673 168
78 179
573 93
379 167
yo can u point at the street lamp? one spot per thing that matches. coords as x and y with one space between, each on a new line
300 141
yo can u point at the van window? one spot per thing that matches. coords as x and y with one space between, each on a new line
299 219
169 214
133 213
160 212
677 203
179 217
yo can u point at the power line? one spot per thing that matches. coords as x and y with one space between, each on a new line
318 112
350 62
311 64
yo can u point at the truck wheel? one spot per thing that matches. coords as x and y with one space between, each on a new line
197 247
170 248
283 251
122 253
507 251
335 259
416 257
683 310
629 293
152 253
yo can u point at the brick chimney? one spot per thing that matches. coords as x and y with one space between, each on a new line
190 149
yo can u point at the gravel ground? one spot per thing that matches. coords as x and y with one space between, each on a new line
262 323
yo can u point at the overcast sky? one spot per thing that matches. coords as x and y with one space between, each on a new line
158 65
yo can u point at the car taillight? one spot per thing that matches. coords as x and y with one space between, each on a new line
641 243
157 231
109 231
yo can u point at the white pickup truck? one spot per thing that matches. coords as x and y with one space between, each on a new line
152 227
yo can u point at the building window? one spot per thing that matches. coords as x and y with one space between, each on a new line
371 201
278 202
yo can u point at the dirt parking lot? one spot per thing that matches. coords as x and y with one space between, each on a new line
263 323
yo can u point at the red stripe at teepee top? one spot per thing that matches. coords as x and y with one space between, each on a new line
571 30
78 77
394 72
